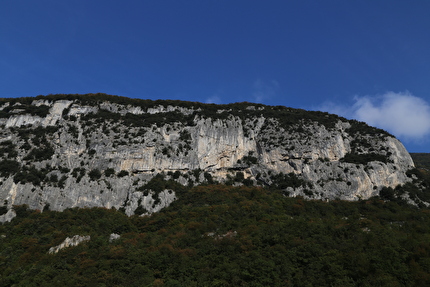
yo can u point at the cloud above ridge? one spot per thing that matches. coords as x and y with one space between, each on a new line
264 90
214 99
402 114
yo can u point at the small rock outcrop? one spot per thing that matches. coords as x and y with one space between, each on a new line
114 237
69 242
8 216
66 151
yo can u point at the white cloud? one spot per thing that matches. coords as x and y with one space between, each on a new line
215 99
263 91
402 114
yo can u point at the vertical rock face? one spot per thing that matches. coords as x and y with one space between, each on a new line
219 144
67 151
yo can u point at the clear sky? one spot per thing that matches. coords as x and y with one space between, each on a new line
368 60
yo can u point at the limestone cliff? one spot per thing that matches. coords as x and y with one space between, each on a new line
67 151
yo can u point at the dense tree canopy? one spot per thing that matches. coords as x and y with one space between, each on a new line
217 235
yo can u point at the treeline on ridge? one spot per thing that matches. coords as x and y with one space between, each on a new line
287 117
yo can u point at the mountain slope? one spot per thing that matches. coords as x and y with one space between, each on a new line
98 150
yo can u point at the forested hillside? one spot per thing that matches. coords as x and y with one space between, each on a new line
421 160
217 235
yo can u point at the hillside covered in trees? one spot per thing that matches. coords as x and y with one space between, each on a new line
216 235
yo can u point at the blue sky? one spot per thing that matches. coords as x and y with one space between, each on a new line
368 60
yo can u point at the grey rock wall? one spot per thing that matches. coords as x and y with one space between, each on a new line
103 154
